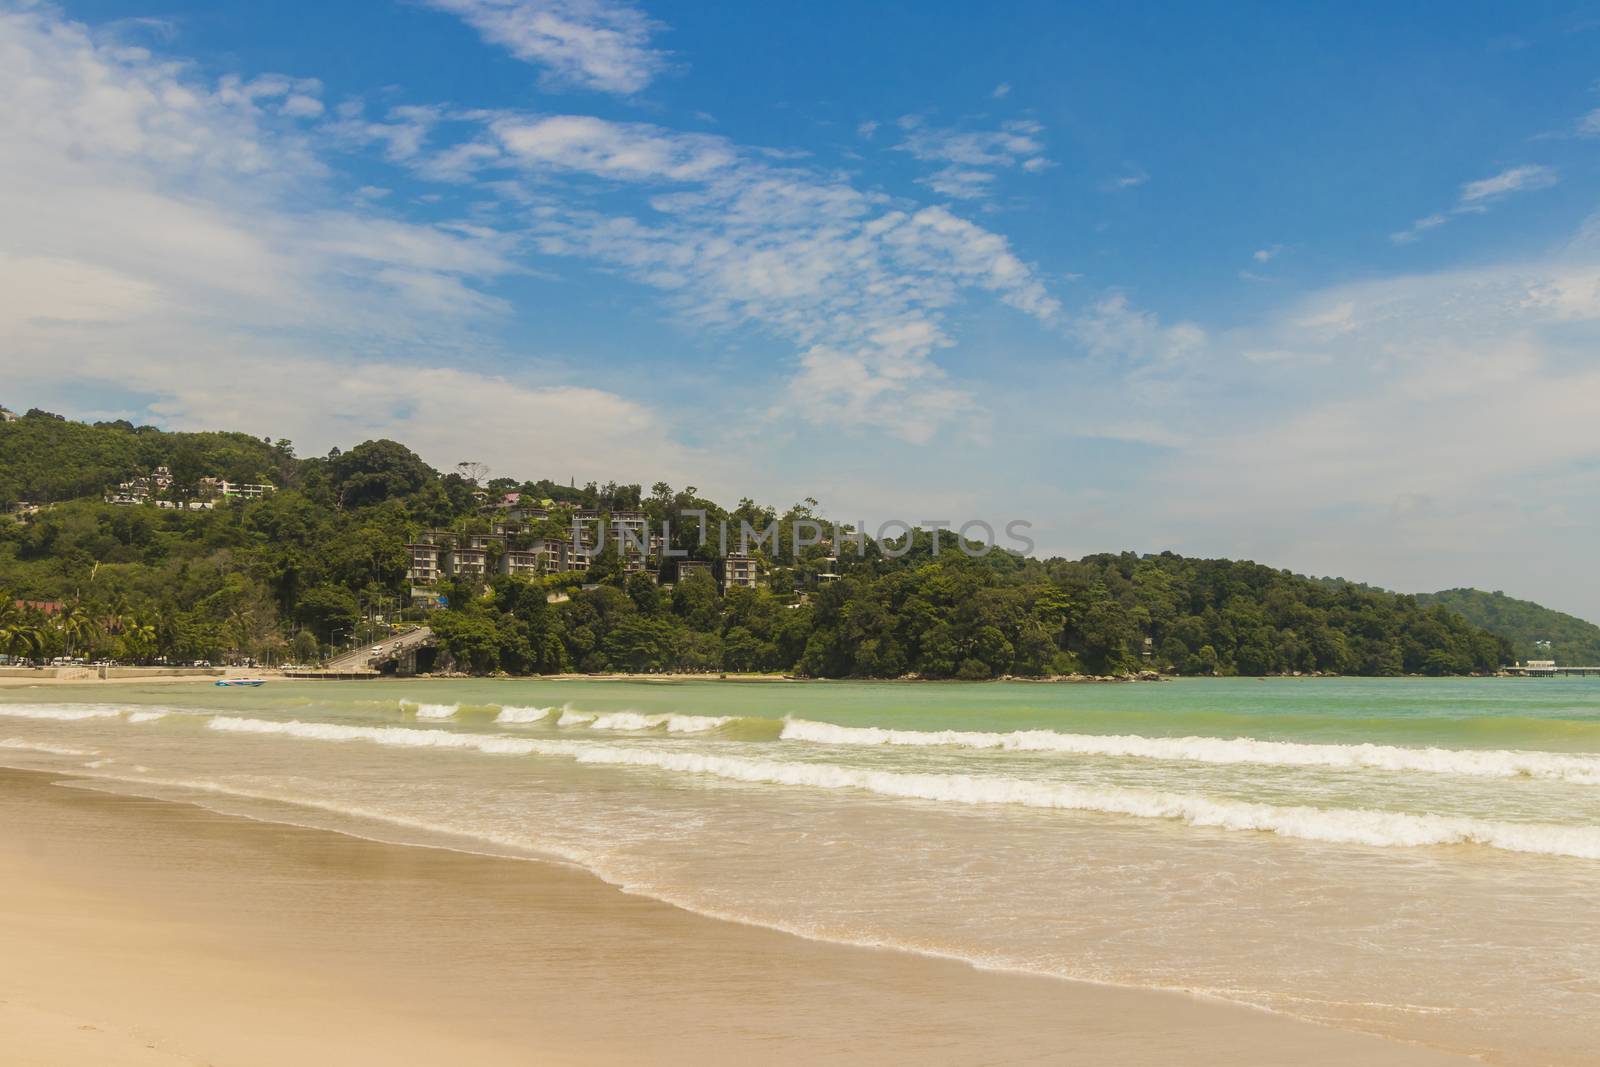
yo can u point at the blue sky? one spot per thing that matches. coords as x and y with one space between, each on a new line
1318 287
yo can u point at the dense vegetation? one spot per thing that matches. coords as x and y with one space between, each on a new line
1571 641
317 563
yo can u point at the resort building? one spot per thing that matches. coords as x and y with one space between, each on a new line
739 571
468 563
244 490
542 556
425 563
522 563
688 567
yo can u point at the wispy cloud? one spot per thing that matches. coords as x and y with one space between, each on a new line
1128 181
972 157
604 45
1001 91
860 285
177 243
1014 141
1478 196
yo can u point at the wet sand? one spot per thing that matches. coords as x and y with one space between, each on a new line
141 932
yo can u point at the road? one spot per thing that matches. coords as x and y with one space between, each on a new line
363 658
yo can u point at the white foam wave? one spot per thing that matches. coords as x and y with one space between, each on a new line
434 711
1490 763
575 718
146 716
675 724
59 712
404 736
523 715
1339 826
18 744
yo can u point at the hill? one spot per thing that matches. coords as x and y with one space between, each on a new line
1573 641
323 555
47 458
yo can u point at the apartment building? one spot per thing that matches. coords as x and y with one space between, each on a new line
687 568
425 568
468 563
739 572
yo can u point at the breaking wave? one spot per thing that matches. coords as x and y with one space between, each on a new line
575 718
60 712
146 716
19 745
403 736
522 715
1339 826
675 724
432 711
1488 763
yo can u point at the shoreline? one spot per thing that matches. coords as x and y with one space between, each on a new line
44 678
360 951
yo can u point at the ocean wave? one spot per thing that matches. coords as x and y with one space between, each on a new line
1337 826
675 724
1488 763
59 712
19 745
514 714
431 711
575 718
146 716
403 736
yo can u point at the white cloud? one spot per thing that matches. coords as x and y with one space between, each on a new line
602 45
1589 125
1416 431
168 241
970 157
1001 91
960 183
1114 329
1129 181
1266 255
624 151
1476 197
866 129
735 239
1013 141
300 106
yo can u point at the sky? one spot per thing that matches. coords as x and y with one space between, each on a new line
1315 285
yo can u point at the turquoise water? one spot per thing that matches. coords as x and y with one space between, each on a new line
1414 858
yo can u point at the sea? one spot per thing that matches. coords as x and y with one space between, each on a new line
1413 858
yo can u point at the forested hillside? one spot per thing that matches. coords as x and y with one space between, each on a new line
309 566
1572 641
45 458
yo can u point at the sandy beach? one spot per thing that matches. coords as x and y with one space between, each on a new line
147 932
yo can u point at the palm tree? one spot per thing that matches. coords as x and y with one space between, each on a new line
241 629
138 639
78 626
20 636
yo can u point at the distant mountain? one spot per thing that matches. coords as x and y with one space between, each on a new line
1522 622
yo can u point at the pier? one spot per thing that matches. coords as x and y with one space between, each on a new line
1539 669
